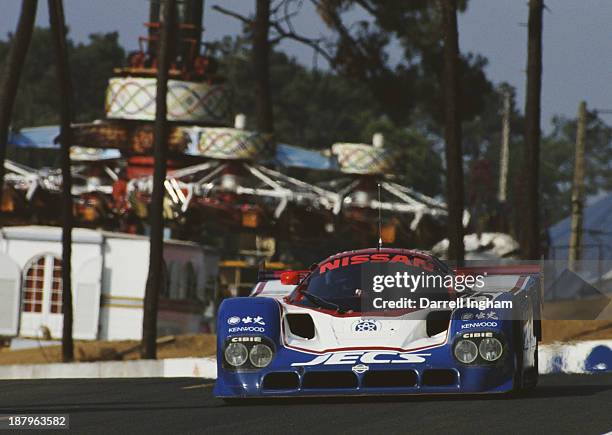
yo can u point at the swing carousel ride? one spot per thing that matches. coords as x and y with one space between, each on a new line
225 185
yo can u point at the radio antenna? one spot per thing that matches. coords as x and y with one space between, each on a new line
379 220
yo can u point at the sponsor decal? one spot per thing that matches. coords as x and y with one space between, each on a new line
467 316
487 315
477 335
248 320
246 329
245 339
479 325
360 368
234 320
365 357
366 326
376 258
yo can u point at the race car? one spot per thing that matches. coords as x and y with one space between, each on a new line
340 329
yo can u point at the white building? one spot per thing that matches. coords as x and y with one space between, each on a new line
109 274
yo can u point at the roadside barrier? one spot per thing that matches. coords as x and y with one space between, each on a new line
579 357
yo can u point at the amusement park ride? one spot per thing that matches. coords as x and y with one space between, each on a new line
223 185
26 193
372 201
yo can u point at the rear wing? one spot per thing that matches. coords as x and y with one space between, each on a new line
512 278
273 275
269 283
510 269
268 275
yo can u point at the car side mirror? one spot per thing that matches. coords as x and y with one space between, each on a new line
291 277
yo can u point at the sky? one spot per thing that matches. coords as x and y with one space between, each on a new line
577 62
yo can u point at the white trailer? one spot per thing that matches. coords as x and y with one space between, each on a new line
109 274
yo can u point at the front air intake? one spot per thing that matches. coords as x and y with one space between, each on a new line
281 381
437 321
301 325
326 380
390 379
439 378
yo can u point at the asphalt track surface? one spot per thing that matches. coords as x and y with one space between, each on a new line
578 404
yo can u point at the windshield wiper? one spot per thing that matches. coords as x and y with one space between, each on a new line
322 303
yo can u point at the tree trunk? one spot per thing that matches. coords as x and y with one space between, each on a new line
154 12
504 163
155 279
452 132
261 67
194 11
58 28
196 16
12 74
575 251
504 158
531 228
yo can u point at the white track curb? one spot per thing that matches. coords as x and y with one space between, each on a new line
163 368
579 357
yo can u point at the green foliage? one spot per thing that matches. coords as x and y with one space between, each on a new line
315 109
417 163
414 85
558 150
91 66
482 139
311 108
37 98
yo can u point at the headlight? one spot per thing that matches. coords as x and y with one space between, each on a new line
466 351
236 354
260 355
490 349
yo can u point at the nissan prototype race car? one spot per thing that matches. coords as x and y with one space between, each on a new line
381 321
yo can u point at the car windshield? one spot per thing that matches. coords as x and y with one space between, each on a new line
343 283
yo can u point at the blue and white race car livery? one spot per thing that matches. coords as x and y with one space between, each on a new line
308 333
